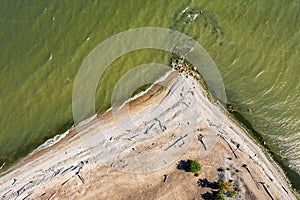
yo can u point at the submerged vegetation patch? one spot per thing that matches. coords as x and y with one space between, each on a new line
192 19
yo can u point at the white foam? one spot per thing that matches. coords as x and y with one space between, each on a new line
144 92
50 56
87 120
51 141
184 10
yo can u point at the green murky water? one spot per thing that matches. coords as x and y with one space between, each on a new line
255 45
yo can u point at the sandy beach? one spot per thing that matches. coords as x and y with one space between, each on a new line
133 152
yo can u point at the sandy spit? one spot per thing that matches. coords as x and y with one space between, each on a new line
127 153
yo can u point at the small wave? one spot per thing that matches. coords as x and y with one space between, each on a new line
290 150
192 17
3 164
144 92
58 137
259 74
51 141
184 10
83 122
50 57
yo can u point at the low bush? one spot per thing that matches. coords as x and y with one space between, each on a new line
232 194
194 166
220 195
223 186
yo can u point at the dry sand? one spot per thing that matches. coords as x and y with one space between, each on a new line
126 152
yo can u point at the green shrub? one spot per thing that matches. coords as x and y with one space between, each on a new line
221 169
220 195
194 166
223 186
232 194
196 174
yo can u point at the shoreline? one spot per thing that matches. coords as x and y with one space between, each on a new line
253 138
74 137
235 116
252 133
